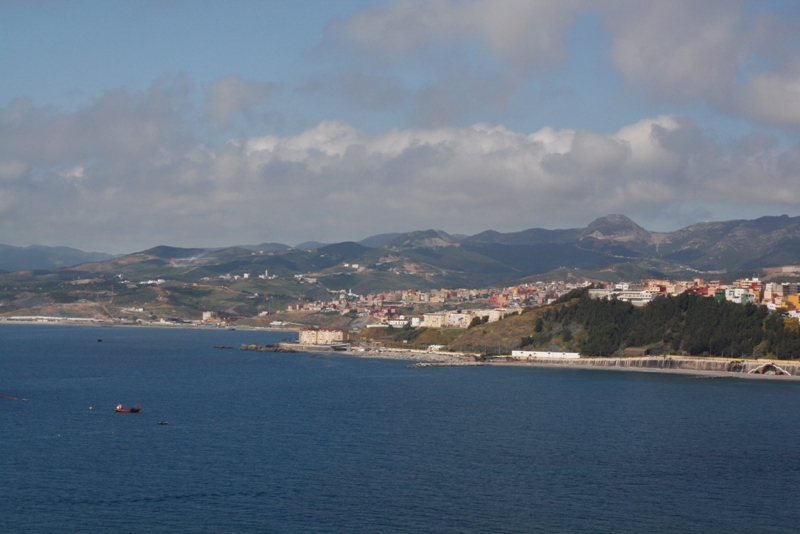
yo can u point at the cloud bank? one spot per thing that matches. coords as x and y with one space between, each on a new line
124 165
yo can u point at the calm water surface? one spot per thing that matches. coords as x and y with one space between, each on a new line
265 442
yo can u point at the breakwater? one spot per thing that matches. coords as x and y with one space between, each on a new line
720 365
420 365
274 347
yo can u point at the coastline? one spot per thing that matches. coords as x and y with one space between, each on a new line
699 373
450 359
107 324
440 359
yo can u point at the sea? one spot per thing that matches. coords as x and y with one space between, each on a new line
282 442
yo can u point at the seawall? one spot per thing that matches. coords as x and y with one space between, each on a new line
765 367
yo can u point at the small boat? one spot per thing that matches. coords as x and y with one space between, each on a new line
133 409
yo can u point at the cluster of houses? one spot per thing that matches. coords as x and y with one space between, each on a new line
390 309
448 319
460 308
386 305
443 319
774 295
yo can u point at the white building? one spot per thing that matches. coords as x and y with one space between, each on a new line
637 298
458 320
533 354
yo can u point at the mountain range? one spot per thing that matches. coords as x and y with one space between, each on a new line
38 257
611 245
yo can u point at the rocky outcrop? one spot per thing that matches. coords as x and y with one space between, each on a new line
769 369
275 347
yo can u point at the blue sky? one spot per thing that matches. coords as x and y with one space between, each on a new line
124 125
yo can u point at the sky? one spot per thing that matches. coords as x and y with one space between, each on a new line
194 123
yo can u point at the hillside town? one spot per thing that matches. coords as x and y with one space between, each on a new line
462 308
331 319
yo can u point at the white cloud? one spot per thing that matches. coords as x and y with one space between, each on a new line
119 124
730 54
646 152
334 182
360 90
232 95
74 175
679 49
12 170
738 59
773 98
518 31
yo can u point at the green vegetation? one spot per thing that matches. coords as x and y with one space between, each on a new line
688 323
410 338
500 337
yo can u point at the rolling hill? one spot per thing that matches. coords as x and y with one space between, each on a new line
37 257
609 244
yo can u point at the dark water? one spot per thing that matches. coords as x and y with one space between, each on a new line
263 442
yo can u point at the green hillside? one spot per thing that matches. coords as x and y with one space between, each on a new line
686 324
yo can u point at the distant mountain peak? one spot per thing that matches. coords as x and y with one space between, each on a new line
422 239
613 222
40 257
616 227
345 250
310 245
379 240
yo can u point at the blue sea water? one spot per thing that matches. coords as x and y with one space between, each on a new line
272 442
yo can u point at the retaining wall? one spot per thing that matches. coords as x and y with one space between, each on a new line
687 364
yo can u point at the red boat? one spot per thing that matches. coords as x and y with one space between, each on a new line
133 409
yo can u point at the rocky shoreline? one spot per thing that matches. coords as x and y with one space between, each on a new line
274 347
